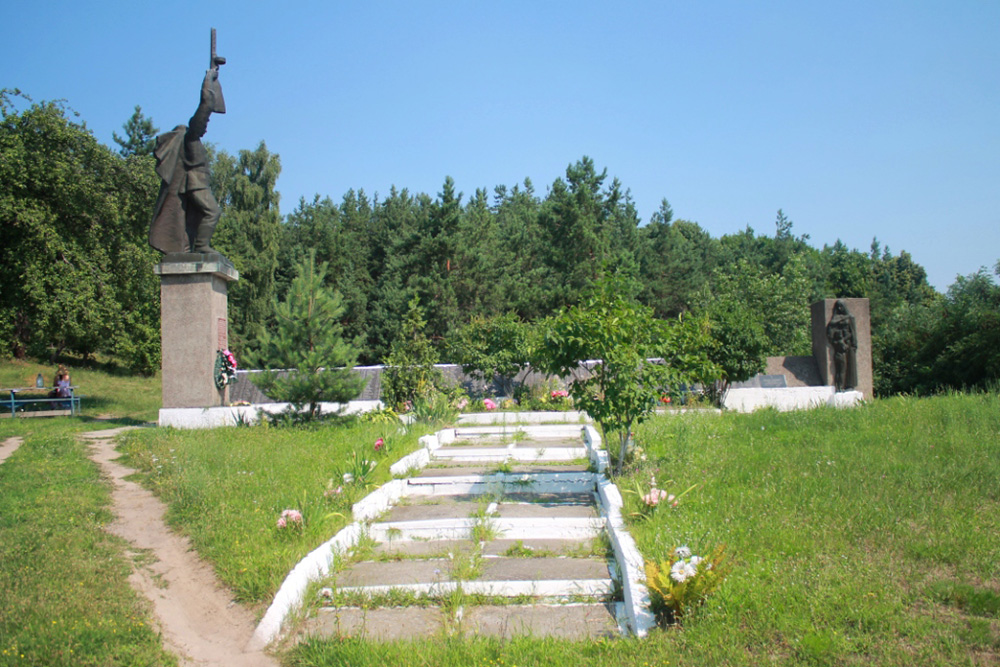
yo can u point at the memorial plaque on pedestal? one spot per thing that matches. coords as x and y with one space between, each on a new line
773 381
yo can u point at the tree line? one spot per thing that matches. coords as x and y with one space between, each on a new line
78 275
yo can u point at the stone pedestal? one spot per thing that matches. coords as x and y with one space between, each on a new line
194 326
823 352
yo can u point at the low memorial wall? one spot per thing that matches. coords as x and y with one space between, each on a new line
247 414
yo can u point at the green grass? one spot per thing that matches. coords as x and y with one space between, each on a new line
106 393
868 536
226 488
859 537
64 593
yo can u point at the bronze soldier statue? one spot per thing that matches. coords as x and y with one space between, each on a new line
186 212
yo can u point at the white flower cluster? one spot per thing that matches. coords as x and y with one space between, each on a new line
686 565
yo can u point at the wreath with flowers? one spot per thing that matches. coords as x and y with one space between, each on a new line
225 368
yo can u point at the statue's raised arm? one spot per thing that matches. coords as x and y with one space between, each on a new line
186 213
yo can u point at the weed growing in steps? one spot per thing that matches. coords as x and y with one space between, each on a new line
484 527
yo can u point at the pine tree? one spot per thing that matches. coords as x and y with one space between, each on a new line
308 344
140 135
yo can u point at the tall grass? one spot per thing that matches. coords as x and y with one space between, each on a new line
64 593
866 536
227 487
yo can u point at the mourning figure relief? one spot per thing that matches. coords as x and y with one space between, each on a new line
842 335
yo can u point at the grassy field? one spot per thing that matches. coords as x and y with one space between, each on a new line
64 594
226 489
105 392
869 536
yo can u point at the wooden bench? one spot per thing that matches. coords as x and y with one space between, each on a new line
35 402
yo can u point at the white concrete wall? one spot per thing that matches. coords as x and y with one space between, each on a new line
230 416
788 398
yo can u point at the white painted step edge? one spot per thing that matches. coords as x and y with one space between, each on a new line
317 563
545 588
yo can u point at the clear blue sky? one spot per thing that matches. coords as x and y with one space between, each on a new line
859 119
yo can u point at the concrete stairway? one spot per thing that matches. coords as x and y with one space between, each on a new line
496 531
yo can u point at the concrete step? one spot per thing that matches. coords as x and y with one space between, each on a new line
568 621
468 569
519 505
512 528
534 453
578 621
501 547
451 468
501 483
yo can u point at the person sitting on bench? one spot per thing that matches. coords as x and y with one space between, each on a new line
62 388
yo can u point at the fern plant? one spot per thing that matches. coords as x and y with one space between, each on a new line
683 581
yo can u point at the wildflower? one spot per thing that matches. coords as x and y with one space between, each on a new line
462 403
682 571
281 522
559 393
654 497
489 404
665 400
348 478
293 516
682 551
379 444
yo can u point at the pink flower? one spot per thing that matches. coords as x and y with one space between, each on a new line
379 444
560 393
489 404
462 404
289 516
654 497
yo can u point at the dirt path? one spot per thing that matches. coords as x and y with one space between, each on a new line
9 446
197 616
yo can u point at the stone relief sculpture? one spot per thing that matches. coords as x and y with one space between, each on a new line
186 211
842 334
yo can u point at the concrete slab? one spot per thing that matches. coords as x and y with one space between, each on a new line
386 624
394 573
555 467
513 528
427 549
554 547
446 508
458 469
571 621
534 443
454 468
569 497
547 510
538 569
